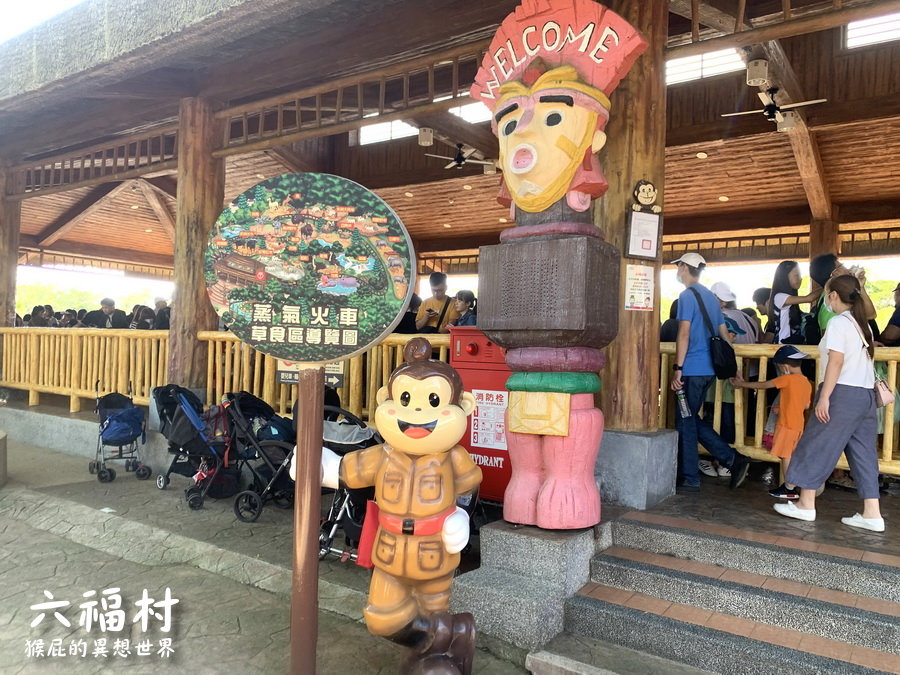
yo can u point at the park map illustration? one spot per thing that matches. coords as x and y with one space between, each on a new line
309 267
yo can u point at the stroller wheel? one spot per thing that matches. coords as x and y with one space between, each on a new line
194 497
142 472
162 481
247 506
128 466
92 466
106 475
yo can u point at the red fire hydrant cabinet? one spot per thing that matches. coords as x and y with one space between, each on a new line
482 366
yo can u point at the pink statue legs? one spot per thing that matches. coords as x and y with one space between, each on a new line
552 484
520 498
569 498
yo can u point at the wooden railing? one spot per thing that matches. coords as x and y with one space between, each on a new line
233 366
755 358
79 362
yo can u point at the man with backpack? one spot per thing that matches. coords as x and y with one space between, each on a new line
439 310
699 320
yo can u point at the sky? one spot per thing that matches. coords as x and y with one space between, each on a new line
17 16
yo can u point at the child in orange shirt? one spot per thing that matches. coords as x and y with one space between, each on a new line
795 393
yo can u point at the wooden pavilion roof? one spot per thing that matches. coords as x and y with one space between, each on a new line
856 135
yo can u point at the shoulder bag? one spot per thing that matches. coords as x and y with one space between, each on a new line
724 361
437 329
883 393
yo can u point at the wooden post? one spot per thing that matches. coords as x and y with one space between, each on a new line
10 213
635 151
201 187
824 235
307 497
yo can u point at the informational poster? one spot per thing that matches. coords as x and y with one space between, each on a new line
639 288
309 267
289 373
643 235
488 423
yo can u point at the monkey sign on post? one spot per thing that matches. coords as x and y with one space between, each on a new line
421 476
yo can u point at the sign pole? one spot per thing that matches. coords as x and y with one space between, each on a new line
307 500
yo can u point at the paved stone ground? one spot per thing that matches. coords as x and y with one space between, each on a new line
233 579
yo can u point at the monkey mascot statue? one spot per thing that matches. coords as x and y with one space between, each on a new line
419 473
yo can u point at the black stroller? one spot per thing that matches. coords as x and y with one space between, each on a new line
254 428
122 432
347 510
195 455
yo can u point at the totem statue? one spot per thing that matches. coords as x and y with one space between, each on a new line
549 292
420 473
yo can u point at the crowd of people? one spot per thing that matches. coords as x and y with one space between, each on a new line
142 317
439 312
842 417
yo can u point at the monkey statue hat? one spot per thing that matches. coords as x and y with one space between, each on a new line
419 473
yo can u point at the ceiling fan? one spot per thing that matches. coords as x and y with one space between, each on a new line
772 111
463 156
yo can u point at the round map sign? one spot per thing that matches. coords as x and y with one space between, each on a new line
309 267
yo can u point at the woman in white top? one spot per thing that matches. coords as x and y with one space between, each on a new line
845 419
784 303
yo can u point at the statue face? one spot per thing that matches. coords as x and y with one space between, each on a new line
646 194
418 417
540 152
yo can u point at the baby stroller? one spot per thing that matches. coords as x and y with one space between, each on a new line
195 455
121 425
254 428
347 510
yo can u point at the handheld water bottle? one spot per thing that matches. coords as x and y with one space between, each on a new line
683 408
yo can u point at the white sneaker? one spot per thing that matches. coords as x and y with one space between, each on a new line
706 468
724 472
874 524
790 510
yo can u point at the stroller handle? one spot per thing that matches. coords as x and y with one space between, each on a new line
349 416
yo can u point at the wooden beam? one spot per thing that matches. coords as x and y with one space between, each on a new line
167 184
635 151
794 216
156 170
825 20
108 253
824 236
201 192
158 201
78 213
455 243
291 160
10 217
452 130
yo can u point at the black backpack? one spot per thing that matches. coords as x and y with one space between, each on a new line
723 358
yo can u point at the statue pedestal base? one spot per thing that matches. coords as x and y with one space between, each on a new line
518 593
637 469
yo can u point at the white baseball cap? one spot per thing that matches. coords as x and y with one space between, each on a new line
692 259
721 290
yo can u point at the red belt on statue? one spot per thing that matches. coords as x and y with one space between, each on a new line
415 526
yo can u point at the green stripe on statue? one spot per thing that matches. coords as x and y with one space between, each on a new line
562 383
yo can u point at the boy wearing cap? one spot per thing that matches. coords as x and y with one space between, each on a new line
796 394
728 300
693 372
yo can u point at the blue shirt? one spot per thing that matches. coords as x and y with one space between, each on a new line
698 360
467 319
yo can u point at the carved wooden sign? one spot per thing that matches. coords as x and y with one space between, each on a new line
309 267
547 77
548 291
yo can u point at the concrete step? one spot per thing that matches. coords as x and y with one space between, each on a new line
830 567
712 641
857 620
569 654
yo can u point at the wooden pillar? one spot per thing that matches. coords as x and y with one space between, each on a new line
10 212
635 150
824 235
201 187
